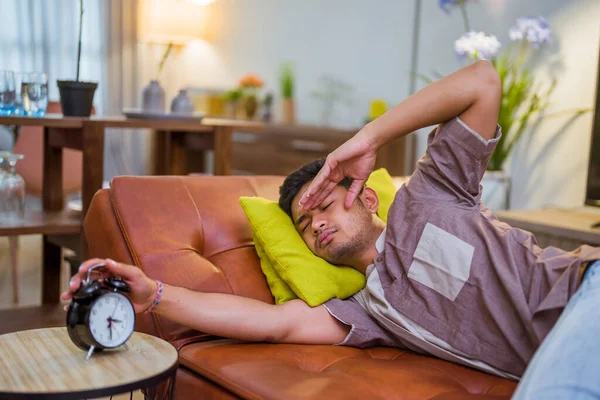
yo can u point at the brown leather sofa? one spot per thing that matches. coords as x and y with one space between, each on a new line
191 232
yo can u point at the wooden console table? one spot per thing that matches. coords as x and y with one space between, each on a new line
58 225
565 228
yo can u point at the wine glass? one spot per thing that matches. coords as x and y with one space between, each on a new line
12 191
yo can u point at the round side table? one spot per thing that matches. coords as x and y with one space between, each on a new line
45 364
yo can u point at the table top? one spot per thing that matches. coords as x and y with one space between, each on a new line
60 121
45 362
38 221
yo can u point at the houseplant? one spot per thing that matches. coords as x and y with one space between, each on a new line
524 97
250 85
286 81
231 98
77 97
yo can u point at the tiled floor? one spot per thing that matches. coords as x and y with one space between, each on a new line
30 279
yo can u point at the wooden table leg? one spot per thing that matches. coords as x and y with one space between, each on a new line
93 162
50 272
223 144
52 192
52 199
178 154
93 168
161 151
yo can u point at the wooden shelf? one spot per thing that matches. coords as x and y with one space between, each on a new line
45 223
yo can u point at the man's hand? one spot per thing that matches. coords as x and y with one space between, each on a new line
142 288
354 159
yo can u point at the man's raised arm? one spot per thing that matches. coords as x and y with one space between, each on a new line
473 93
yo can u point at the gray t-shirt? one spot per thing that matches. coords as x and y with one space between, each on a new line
449 266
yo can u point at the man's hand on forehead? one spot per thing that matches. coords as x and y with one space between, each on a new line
354 159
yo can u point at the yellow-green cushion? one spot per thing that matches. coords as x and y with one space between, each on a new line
291 269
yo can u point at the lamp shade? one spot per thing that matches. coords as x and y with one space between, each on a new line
172 21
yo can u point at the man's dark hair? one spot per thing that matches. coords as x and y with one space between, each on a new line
294 182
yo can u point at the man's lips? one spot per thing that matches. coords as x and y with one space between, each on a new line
325 238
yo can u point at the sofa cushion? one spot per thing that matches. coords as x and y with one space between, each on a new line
285 371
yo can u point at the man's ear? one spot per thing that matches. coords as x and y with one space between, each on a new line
370 199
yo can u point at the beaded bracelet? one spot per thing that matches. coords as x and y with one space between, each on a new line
157 297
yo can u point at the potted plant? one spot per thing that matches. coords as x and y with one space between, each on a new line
250 84
286 79
524 98
77 97
231 98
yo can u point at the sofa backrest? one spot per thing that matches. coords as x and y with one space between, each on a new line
185 231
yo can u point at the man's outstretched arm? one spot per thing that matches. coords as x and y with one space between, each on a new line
248 319
224 314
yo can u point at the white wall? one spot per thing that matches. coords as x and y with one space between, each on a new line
368 44
364 43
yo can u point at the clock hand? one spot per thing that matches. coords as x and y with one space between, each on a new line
116 320
116 304
109 327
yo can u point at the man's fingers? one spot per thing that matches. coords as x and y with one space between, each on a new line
313 190
353 192
109 268
307 199
326 191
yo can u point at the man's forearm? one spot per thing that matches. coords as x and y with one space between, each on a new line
248 319
221 314
436 103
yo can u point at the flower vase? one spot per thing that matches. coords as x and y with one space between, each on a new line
288 115
250 106
231 109
153 98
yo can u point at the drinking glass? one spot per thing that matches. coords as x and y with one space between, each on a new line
37 92
12 191
7 92
21 98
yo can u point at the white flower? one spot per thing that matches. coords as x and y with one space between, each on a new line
477 46
534 30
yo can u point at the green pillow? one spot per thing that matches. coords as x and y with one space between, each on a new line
291 269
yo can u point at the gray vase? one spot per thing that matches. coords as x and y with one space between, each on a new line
182 103
153 97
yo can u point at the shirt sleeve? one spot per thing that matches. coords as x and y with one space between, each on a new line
454 163
365 331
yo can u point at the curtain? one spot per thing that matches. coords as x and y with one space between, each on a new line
41 35
125 149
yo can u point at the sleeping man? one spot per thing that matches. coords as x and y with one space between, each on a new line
444 277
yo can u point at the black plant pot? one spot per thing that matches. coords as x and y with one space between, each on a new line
76 98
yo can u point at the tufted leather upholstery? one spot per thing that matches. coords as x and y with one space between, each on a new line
192 232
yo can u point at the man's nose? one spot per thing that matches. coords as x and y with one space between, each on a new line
318 226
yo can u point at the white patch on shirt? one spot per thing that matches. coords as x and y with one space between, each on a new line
441 261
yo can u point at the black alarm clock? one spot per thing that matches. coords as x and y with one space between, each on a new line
100 316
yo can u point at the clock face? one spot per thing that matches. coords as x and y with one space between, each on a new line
111 319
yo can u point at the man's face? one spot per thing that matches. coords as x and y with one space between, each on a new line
331 231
